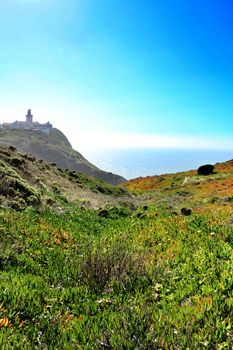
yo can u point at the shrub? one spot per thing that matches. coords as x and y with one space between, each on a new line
186 211
17 162
18 204
30 157
10 186
119 266
56 189
33 200
206 169
114 212
12 149
11 192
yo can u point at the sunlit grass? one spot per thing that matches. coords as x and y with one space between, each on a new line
128 276
77 280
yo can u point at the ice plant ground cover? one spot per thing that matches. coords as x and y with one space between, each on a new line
127 276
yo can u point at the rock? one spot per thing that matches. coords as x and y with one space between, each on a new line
206 169
186 211
190 180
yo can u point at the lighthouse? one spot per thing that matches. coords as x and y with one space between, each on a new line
29 117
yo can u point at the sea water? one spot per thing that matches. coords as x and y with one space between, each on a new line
132 163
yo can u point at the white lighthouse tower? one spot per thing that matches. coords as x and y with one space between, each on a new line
29 117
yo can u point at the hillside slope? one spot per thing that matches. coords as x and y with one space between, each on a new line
202 193
24 181
144 277
55 148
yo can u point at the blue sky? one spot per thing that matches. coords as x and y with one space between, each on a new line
121 73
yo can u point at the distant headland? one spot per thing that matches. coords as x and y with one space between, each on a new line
43 141
28 124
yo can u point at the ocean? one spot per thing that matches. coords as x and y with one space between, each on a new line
132 163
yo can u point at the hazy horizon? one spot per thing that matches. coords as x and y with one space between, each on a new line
133 163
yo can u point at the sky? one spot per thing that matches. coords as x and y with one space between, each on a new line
121 73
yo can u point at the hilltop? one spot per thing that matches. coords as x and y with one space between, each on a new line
54 147
86 265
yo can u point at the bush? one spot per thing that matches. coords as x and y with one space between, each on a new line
11 192
12 149
206 169
17 162
18 204
12 187
33 200
114 212
186 211
56 189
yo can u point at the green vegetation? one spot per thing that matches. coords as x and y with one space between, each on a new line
132 274
27 181
54 148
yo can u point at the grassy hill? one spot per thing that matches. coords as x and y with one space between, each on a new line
54 148
26 180
137 273
202 193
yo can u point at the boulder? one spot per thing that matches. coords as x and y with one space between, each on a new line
189 180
